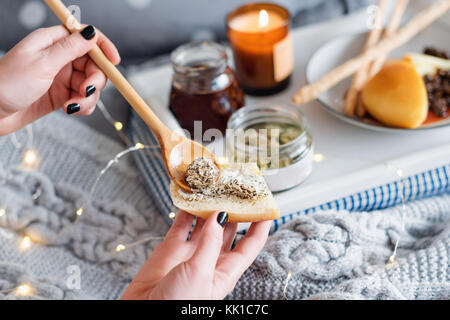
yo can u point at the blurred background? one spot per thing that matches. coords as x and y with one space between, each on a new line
143 29
148 30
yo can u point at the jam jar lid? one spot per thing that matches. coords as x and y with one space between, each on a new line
200 67
197 58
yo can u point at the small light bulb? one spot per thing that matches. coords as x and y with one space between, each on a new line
30 158
118 125
140 145
2 212
120 247
222 160
172 215
80 212
25 243
392 259
24 290
318 157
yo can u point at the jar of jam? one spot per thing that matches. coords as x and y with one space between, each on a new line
205 91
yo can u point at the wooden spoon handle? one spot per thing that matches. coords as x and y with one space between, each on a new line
116 77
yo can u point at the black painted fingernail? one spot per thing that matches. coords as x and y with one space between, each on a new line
88 33
90 91
222 218
73 108
233 244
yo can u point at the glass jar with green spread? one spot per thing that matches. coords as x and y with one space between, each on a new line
277 138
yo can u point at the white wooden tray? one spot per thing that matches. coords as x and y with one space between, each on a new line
354 159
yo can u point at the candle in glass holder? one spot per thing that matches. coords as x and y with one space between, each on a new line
262 47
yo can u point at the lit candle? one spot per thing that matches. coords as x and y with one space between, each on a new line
262 47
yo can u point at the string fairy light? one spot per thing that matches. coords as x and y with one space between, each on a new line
24 290
25 243
118 126
288 277
392 261
29 141
399 172
37 193
318 157
31 159
122 247
79 212
172 215
138 146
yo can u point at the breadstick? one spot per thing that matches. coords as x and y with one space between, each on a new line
414 26
391 28
361 75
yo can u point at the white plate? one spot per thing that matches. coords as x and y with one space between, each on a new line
341 49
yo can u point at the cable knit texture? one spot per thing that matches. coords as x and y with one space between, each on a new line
329 255
71 157
343 255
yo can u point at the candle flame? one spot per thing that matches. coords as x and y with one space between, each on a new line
263 18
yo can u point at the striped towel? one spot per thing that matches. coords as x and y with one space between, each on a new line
426 184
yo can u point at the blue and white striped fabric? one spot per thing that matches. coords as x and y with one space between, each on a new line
426 184
151 166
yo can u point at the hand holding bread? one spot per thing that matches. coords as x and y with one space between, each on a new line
202 267
241 191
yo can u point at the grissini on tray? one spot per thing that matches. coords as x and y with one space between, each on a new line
360 76
414 26
391 28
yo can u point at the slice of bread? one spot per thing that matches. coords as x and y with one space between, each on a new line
238 209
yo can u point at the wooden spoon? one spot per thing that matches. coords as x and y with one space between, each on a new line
178 152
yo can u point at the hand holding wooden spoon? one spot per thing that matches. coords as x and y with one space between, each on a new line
177 151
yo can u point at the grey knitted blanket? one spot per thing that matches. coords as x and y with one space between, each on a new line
327 255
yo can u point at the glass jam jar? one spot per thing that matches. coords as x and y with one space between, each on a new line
204 88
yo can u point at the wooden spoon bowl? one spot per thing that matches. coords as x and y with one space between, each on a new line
180 155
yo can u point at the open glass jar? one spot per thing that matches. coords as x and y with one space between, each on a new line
205 91
277 138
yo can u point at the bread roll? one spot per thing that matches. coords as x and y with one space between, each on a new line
396 96
238 209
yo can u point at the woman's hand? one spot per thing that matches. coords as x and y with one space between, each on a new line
203 267
48 70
